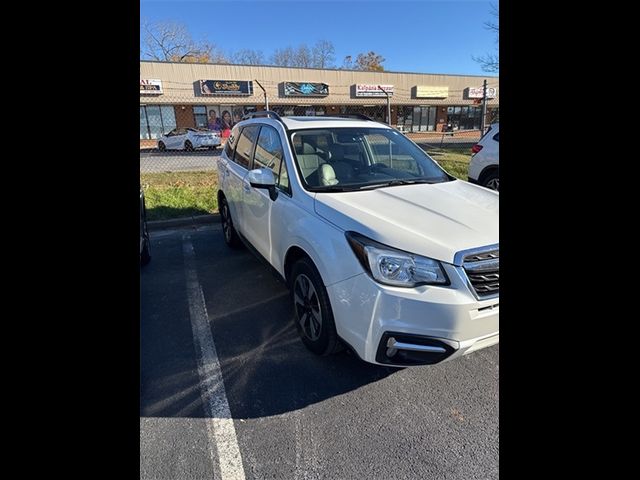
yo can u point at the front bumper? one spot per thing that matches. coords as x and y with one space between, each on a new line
368 314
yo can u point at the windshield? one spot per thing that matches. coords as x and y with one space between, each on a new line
346 159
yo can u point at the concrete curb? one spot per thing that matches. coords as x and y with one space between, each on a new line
183 222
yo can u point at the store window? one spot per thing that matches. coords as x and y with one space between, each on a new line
156 120
464 118
200 116
417 119
494 115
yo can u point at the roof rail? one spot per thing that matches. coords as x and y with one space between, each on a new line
263 113
354 115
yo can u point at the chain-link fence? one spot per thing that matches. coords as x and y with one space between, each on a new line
181 138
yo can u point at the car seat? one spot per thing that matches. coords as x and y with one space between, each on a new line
343 169
309 161
327 175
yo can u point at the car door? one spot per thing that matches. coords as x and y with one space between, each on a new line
259 209
179 138
175 134
237 170
168 138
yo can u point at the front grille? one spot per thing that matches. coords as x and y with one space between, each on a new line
483 272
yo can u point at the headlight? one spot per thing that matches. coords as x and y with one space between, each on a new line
395 267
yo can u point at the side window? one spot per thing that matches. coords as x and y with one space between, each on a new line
269 154
283 181
244 149
496 137
268 150
231 142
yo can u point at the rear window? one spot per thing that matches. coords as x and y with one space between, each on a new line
496 137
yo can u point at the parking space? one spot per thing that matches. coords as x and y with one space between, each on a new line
258 391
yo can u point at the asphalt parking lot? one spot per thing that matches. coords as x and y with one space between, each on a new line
229 391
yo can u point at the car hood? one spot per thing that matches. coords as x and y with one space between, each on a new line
435 220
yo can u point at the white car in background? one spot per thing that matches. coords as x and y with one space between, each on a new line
189 139
484 168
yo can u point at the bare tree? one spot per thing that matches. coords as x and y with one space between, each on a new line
491 61
299 56
169 41
324 54
347 63
248 56
283 57
302 57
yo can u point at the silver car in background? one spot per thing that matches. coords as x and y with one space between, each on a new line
189 139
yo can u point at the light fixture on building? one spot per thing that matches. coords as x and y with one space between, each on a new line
182 107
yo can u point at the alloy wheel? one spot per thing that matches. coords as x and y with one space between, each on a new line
226 222
307 307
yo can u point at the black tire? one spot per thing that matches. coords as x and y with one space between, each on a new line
145 256
162 147
316 299
188 146
228 230
492 181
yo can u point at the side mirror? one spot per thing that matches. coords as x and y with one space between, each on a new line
263 178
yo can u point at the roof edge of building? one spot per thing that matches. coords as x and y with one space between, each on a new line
315 68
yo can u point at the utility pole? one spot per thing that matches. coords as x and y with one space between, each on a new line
388 105
484 107
266 100
388 123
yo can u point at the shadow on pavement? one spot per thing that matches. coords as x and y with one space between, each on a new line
162 212
266 368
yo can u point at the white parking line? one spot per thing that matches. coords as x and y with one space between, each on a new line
220 428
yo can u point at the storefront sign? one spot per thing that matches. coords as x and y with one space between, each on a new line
150 86
427 91
226 87
305 89
477 92
365 90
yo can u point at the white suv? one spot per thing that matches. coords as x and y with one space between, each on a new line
484 168
383 251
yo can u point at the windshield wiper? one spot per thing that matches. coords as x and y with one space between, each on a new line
393 183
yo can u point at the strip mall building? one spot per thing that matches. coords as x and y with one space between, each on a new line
183 94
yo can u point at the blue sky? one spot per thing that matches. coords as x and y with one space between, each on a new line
413 36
